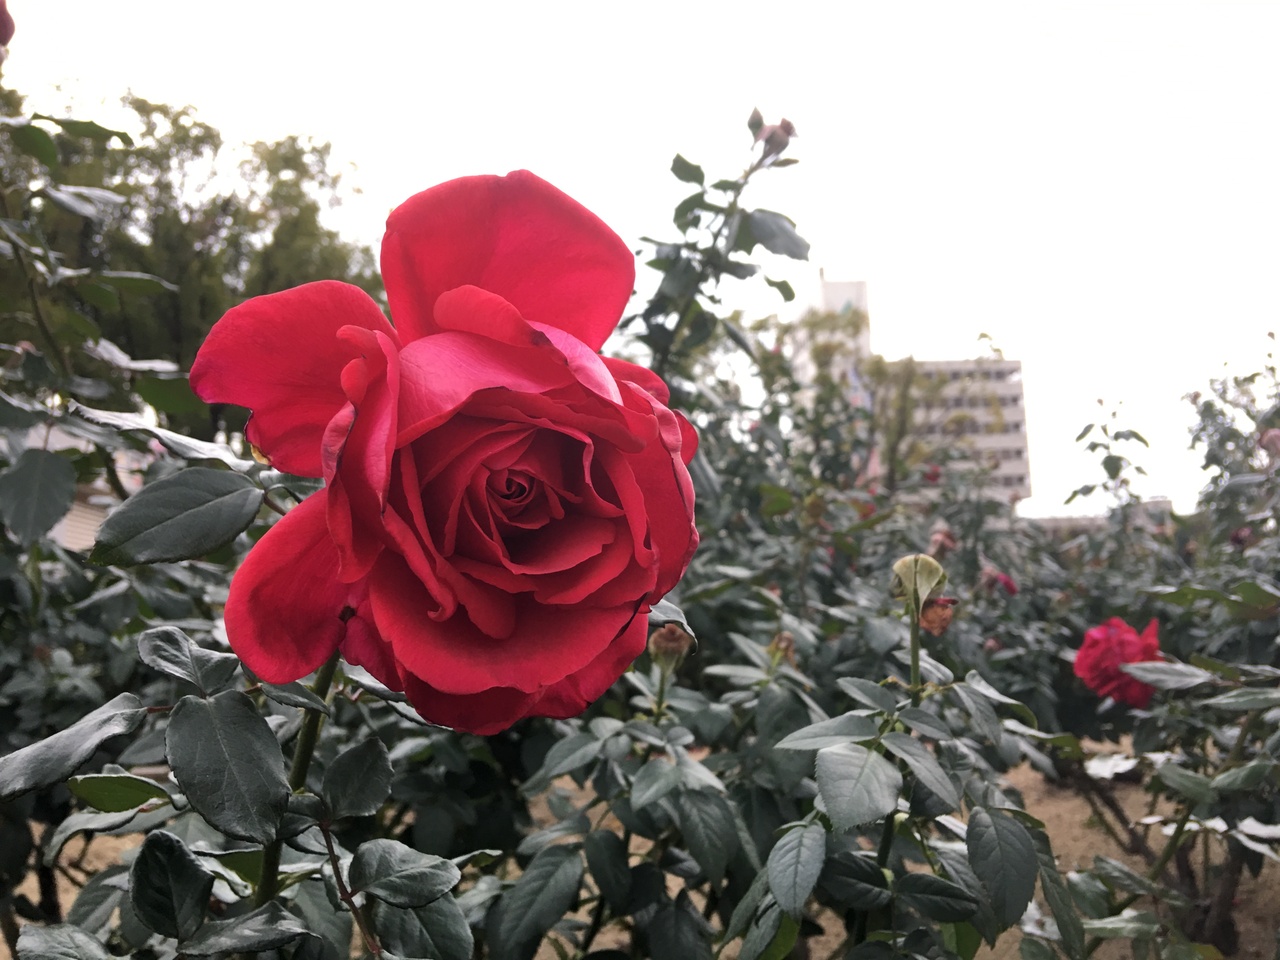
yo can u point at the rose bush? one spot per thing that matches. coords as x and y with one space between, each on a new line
502 505
1105 649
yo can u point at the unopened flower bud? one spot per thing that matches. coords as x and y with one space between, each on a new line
917 576
775 136
669 645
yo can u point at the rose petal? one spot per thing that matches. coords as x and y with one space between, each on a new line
515 236
486 712
358 470
280 356
494 710
287 611
546 644
574 693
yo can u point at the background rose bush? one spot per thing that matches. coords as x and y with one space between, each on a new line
787 780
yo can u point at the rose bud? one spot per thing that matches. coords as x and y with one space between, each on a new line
668 646
6 24
775 137
783 647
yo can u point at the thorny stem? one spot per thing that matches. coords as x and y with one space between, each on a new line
344 894
37 306
269 880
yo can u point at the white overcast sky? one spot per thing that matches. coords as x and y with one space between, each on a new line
1095 185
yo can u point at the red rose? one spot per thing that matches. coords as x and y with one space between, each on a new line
1105 649
502 505
6 24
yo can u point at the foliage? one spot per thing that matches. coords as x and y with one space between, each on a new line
814 760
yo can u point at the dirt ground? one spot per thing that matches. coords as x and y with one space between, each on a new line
1076 837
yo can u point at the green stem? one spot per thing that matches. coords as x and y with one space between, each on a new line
269 880
916 686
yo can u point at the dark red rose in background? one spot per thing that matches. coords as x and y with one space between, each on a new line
991 578
1105 648
6 24
502 505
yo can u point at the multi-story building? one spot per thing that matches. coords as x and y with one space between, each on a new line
971 408
975 408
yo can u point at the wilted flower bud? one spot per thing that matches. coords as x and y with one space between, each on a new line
941 541
668 646
1270 441
936 615
783 647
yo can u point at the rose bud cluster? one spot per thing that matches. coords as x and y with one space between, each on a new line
1105 649
502 505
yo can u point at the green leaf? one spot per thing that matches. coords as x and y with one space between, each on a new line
358 782
35 493
869 694
830 733
545 892
794 866
1246 698
926 769
439 930
181 517
1003 856
686 171
777 234
35 142
269 927
1250 776
1120 877
761 933
678 930
59 942
975 681
664 612
607 858
55 758
116 792
858 785
925 723
389 871
1168 676
87 129
1058 896
936 898
229 765
98 900
782 286
856 881
175 442
1140 926
1033 948
710 834
168 394
168 887
657 778
1196 787
295 694
170 651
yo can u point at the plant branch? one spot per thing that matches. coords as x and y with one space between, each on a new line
344 894
269 880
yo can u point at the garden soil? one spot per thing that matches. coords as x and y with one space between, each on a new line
1076 840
